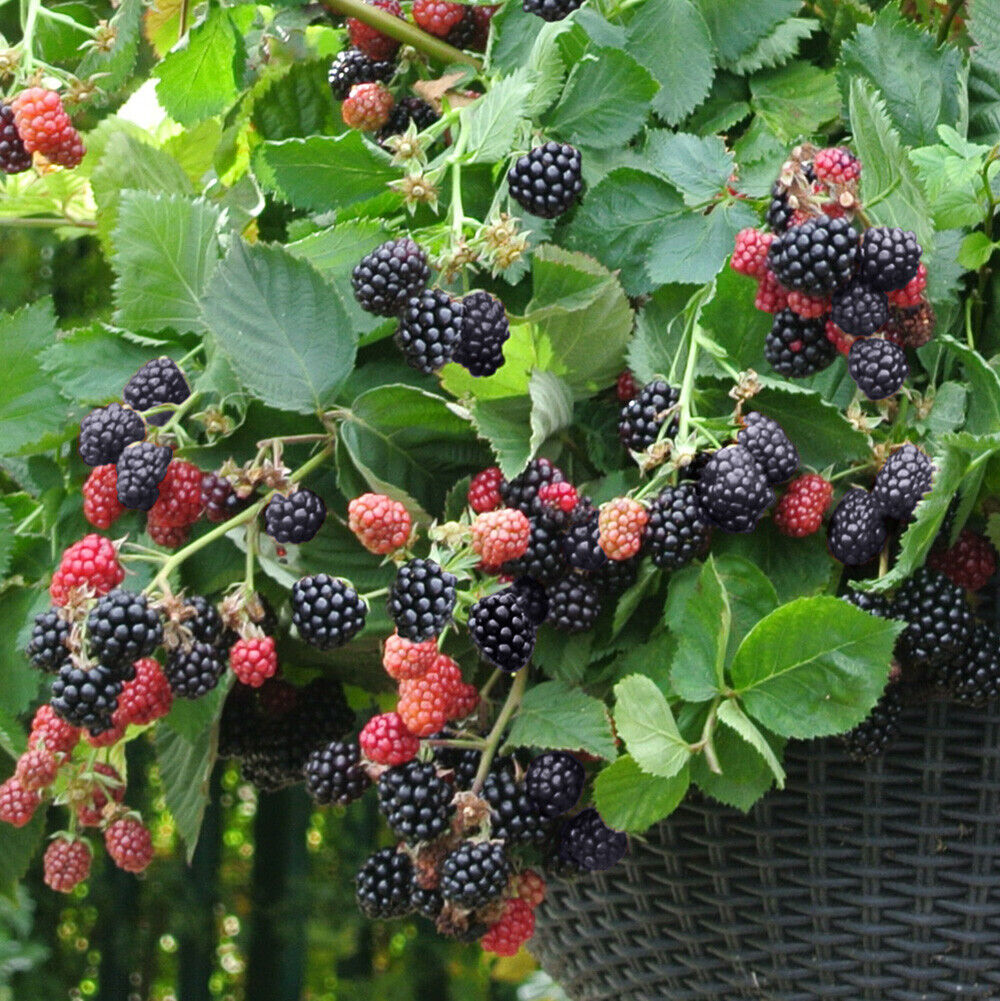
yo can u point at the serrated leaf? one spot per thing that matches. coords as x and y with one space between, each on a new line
489 124
296 104
795 100
191 718
504 423
113 65
733 716
629 799
165 250
800 681
984 387
185 771
551 407
983 25
777 47
697 672
18 846
735 32
546 69
745 775
283 327
976 250
562 657
952 183
698 166
554 715
734 323
645 722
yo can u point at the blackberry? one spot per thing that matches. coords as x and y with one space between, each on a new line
421 599
533 597
677 530
554 782
733 490
905 478
326 611
779 213
859 309
195 670
352 66
618 575
581 543
485 330
140 470
501 628
796 347
889 257
878 367
384 885
430 329
873 734
766 440
474 874
547 180
857 530
158 381
588 843
205 624
391 274
106 431
239 722
815 256
14 158
873 604
522 491
295 518
215 493
122 627
913 327
409 109
514 816
464 763
415 802
641 419
973 676
427 903
550 10
334 774
321 714
574 604
86 697
939 623
47 648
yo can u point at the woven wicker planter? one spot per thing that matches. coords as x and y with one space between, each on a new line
856 882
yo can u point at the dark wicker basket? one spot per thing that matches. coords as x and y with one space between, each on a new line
856 882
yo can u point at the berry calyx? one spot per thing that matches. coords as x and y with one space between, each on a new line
107 787
621 524
801 509
381 524
254 660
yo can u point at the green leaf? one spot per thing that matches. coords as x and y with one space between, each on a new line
185 771
800 681
165 251
645 722
489 124
658 337
323 173
605 101
630 800
670 38
283 327
745 774
30 404
697 672
734 323
976 250
734 32
546 69
112 66
795 100
551 407
199 80
554 715
984 387
18 846
733 716
777 47
562 657
983 26
952 183
504 423
192 718
296 104
698 166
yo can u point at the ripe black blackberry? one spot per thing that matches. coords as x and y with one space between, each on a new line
588 843
677 530
464 763
973 677
551 10
47 649
857 530
14 158
86 697
815 256
878 367
415 802
547 180
421 599
900 483
352 66
522 491
873 734
574 604
733 490
889 257
408 109
122 627
193 671
873 604
392 273
859 309
158 381
617 575
514 816
427 903
205 623
485 330
464 32
106 431
327 611
474 874
779 212
501 629
141 468
765 438
939 623
641 419
239 722
334 773
581 543
533 597
384 885
796 347
295 518
554 782
430 329
321 714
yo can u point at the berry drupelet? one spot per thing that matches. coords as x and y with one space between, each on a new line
14 158
874 733
48 648
815 256
352 66
334 773
900 483
554 781
514 816
588 843
485 330
474 874
193 671
677 530
86 697
140 469
765 438
796 347
502 630
939 621
415 802
384 885
878 367
889 257
122 627
574 604
733 490
522 491
859 309
857 530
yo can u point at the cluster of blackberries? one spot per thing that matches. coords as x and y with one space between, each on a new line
830 287
434 328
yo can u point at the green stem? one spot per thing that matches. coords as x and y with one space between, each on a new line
470 744
252 541
46 223
54 15
403 31
514 697
28 34
983 276
945 26
704 743
372 595
179 413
